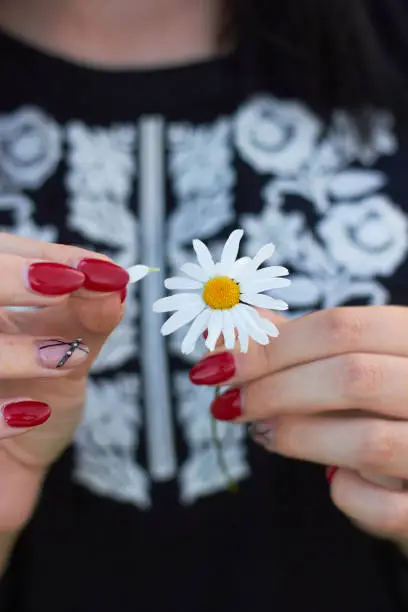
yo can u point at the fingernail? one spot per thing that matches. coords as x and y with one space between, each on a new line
50 278
228 406
123 295
103 276
55 353
330 473
213 370
205 334
25 413
262 433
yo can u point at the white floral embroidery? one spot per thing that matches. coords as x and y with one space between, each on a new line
30 147
359 233
276 135
21 211
102 160
107 441
200 475
368 238
201 168
99 180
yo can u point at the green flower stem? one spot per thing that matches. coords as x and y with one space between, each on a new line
222 464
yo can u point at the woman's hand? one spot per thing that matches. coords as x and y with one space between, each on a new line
45 355
332 389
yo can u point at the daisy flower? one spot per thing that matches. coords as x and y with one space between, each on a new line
222 297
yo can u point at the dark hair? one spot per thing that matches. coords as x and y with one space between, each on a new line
352 53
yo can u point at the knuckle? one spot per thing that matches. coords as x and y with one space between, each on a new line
360 376
378 447
344 327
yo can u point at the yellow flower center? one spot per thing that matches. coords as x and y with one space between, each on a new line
221 293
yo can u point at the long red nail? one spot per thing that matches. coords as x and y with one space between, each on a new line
330 473
123 295
213 370
51 278
103 276
25 413
228 406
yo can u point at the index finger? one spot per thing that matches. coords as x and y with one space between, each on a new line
323 334
101 274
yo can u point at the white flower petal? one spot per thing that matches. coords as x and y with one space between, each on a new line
228 329
180 301
239 323
214 329
231 248
263 323
204 256
181 318
264 301
239 267
255 331
264 284
263 254
136 273
195 332
251 268
194 271
180 283
271 271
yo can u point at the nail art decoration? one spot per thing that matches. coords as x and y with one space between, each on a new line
55 353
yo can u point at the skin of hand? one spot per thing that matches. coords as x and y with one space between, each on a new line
43 366
332 389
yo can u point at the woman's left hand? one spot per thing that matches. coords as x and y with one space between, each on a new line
332 389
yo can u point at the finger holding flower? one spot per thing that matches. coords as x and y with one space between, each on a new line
332 389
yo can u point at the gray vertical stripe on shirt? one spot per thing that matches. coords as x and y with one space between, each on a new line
161 454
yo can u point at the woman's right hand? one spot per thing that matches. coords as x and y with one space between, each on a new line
78 296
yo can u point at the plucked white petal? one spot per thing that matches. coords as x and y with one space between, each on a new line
195 332
136 273
239 323
180 283
214 329
251 286
180 301
194 271
228 329
204 256
231 248
181 318
255 331
264 301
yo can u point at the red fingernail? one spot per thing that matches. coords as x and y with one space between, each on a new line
205 334
25 413
50 278
123 295
213 370
103 276
330 473
228 406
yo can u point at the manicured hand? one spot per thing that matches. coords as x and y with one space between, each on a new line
45 354
332 389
